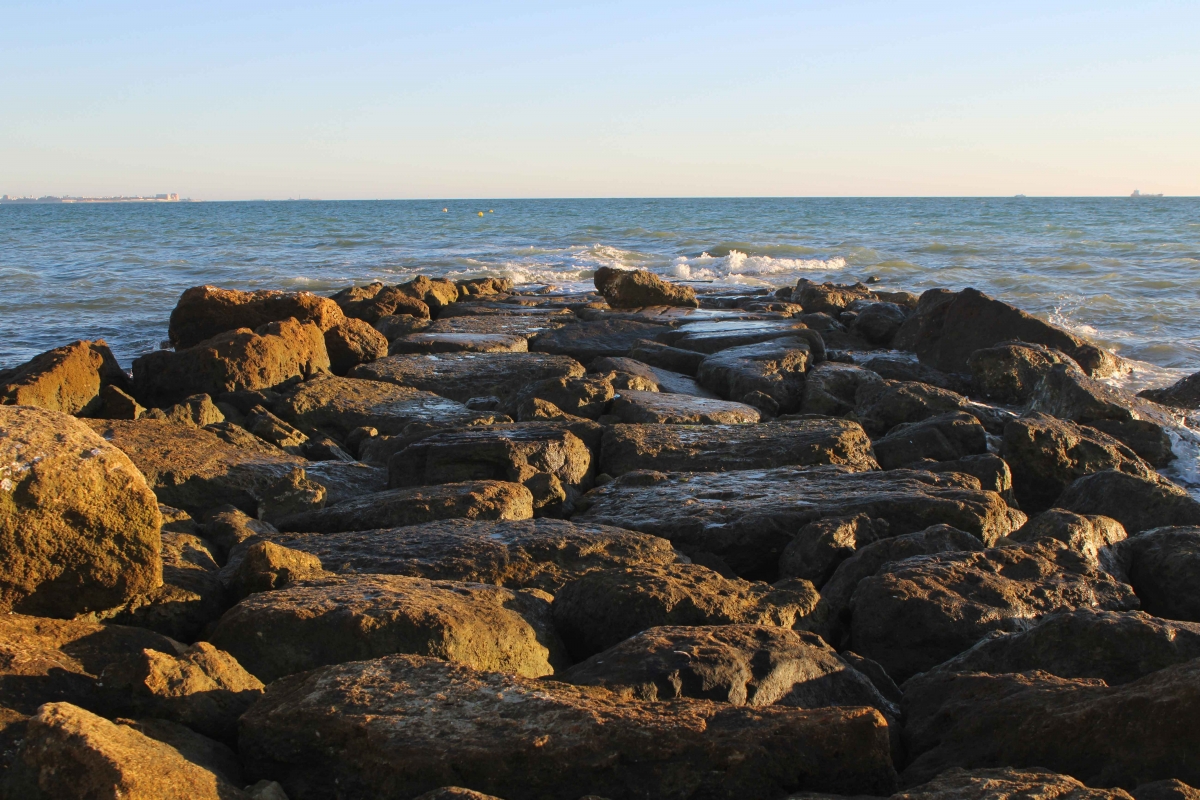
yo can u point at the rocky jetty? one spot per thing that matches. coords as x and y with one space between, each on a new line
477 540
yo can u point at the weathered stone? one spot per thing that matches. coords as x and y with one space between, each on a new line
882 406
293 493
259 565
878 322
1067 393
1004 783
638 288
897 366
819 547
828 297
398 507
69 379
236 360
534 554
461 376
206 311
272 429
71 753
196 411
1114 646
775 368
589 340
1120 735
427 342
549 313
1184 393
357 617
802 442
1138 503
374 301
662 380
1048 454
437 293
79 527
116 403
1163 566
522 325
352 342
917 613
393 325
830 388
456 793
678 409
479 287
941 438
511 737
604 607
747 517
1087 536
1010 371
711 337
586 397
1170 789
191 594
991 470
664 356
196 748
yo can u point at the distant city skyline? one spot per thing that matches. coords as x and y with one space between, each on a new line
365 100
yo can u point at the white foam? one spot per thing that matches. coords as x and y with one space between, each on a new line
741 265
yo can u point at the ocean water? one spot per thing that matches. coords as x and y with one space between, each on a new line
1124 272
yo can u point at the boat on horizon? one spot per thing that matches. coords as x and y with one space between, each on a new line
1137 194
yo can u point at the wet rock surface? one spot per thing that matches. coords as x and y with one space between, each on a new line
1163 566
1138 503
69 379
677 409
638 288
461 376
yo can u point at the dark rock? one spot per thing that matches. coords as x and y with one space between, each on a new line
1087 536
585 397
941 438
1138 503
511 737
1003 783
875 673
878 323
461 376
206 311
394 325
1184 393
884 405
903 367
637 288
1010 371
664 356
586 341
352 342
196 748
991 471
70 379
197 411
830 388
679 409
915 614
1169 789
428 342
358 617
116 403
1163 566
272 429
663 380
821 546
191 594
376 300
480 287
260 565
828 297
293 493
775 368
714 336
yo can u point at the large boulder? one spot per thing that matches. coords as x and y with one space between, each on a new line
79 527
829 297
586 397
376 300
1009 372
715 335
363 731
351 617
461 376
1114 646
1184 393
914 614
664 356
205 311
601 608
1163 566
803 442
819 547
747 517
830 389
352 342
624 288
773 370
586 341
1138 502
877 323
1089 536
236 360
1047 454
1120 735
1004 783
679 409
881 406
945 437
68 379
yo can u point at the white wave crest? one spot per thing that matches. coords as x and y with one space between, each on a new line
738 264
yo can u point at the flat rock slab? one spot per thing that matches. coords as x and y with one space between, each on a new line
523 325
747 517
339 405
355 617
680 409
718 448
461 376
398 507
536 554
458 343
711 336
503 310
587 340
398 726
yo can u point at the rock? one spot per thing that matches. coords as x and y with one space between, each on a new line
294 493
953 326
526 554
1067 393
604 607
828 297
200 750
1184 393
586 397
79 527
191 594
1138 503
775 368
662 380
880 407
394 325
197 411
510 737
203 688
664 356
1003 783
878 323
1163 566
917 613
117 404
461 376
830 388
71 753
586 341
428 342
821 546
677 409
272 429
437 293
479 287
802 442
832 617
1010 371
1048 454
1170 789
398 507
257 565
339 405
714 336
535 455
206 311
226 527
748 517
991 471
942 438
352 342
69 379
522 325
1120 735
357 617
237 360
456 793
637 288
1087 536
897 366
375 301
1116 647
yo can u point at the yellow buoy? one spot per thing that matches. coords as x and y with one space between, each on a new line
481 213
444 210
490 211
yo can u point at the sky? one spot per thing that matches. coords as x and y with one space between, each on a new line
361 100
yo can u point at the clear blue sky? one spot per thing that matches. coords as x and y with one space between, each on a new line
221 100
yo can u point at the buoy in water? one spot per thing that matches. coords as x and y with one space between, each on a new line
444 210
490 211
481 213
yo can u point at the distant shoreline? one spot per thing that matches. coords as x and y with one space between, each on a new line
51 200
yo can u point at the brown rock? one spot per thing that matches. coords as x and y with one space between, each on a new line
899 366
272 429
456 793
69 379
1163 566
1004 783
191 594
828 297
586 341
830 388
1010 371
637 288
118 404
259 565
461 376
200 750
197 411
882 406
428 342
437 293
712 336
821 546
357 617
1088 536
79 527
586 397
991 471
511 737
352 342
374 301
942 438
774 369
206 311
1184 393
479 287
294 493
1138 502
679 409
660 355
1170 789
